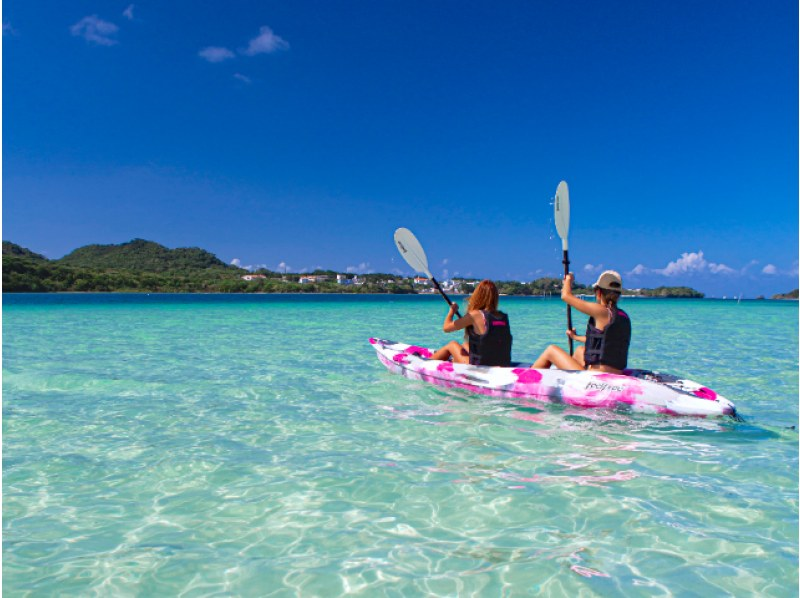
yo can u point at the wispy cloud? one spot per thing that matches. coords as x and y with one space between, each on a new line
591 268
215 54
95 30
8 29
362 268
238 263
242 78
128 12
266 42
769 269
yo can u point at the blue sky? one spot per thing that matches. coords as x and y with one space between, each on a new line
304 133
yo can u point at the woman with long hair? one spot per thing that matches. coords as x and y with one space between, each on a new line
488 337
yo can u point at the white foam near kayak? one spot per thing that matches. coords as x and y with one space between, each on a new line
635 390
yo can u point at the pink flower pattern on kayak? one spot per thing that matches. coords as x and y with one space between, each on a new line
527 375
705 393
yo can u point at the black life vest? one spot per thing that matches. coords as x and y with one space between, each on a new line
610 345
494 346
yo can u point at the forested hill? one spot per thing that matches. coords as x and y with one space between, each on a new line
143 256
10 248
790 295
136 266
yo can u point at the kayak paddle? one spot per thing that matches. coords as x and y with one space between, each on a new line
562 226
414 255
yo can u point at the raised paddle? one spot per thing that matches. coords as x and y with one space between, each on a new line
414 255
562 226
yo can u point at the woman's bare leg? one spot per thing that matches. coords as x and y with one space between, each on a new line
578 356
454 350
556 356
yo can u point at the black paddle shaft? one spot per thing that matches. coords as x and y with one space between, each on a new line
569 308
446 298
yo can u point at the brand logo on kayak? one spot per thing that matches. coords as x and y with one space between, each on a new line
603 386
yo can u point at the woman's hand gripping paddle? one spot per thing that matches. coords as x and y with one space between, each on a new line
562 226
414 255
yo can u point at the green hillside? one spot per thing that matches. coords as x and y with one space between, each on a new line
10 248
143 256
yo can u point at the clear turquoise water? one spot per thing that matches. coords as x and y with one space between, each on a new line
254 446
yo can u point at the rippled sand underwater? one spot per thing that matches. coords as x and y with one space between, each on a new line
232 445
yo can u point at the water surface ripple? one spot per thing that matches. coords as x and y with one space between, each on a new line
254 446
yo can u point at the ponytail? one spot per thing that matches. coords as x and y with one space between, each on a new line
610 298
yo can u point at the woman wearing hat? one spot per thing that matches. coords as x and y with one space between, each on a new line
608 333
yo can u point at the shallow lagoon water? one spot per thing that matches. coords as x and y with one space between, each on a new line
199 445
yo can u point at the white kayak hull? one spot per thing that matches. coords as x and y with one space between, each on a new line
635 390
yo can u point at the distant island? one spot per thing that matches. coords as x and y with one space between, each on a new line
148 267
790 295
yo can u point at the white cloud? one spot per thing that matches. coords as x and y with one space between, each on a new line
690 263
445 260
589 268
748 265
769 269
128 12
639 270
242 78
362 268
720 269
95 30
283 267
252 268
265 43
215 54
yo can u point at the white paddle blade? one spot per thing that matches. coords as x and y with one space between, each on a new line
411 250
562 213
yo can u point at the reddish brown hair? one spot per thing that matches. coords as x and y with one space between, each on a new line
485 296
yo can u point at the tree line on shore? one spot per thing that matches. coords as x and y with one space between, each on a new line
145 266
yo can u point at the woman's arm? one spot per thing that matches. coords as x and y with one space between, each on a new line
463 322
594 310
577 337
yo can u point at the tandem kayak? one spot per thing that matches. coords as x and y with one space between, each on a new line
635 390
